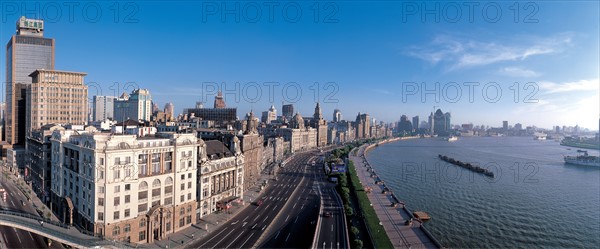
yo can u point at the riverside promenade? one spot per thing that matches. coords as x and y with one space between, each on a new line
392 218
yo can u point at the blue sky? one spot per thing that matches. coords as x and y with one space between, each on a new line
363 56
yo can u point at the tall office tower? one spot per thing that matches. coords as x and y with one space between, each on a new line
137 106
26 52
103 108
287 111
170 111
56 97
337 115
415 122
219 101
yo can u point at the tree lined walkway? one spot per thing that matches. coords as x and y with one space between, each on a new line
392 219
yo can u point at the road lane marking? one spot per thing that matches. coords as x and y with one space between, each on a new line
228 246
246 240
332 227
216 235
286 238
287 218
265 219
296 219
219 240
277 234
18 237
256 217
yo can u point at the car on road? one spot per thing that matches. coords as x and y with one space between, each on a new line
259 202
327 214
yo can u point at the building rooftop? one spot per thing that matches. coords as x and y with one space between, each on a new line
216 149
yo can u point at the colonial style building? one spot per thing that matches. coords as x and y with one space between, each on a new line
220 176
321 126
125 187
38 160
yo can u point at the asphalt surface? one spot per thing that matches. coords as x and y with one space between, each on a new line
12 237
250 227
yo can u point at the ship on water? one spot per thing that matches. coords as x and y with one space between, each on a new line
585 159
452 138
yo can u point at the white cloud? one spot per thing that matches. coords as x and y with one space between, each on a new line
461 53
519 72
548 87
567 103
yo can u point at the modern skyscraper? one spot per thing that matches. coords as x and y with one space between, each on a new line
287 111
103 108
138 106
170 111
441 122
337 115
415 122
270 115
26 52
56 97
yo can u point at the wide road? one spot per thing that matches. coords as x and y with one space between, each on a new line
295 226
332 231
12 237
246 228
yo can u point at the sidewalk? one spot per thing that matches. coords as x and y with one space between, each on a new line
213 221
392 219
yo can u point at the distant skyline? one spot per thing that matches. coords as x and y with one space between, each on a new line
374 57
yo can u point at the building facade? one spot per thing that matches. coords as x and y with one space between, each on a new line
220 176
56 97
26 52
137 106
38 160
124 187
320 125
103 108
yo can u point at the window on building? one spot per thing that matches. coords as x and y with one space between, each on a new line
127 213
183 186
142 195
100 216
181 222
189 184
116 174
182 198
189 175
189 196
127 228
117 189
143 185
116 215
142 208
127 198
142 235
116 231
101 202
169 201
117 201
127 187
101 189
155 168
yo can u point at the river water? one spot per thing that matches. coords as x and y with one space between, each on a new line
535 200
